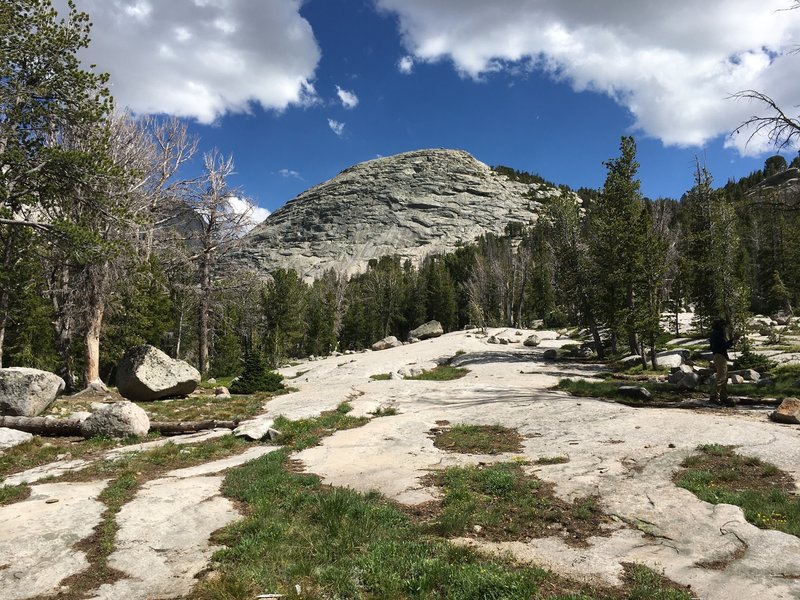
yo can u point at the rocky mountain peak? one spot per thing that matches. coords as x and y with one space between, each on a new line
411 204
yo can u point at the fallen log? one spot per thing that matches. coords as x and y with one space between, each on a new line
178 427
47 426
52 427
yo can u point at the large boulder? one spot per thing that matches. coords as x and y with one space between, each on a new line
431 329
671 358
27 392
146 373
386 343
787 412
117 420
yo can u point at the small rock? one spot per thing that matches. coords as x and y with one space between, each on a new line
635 392
787 412
11 437
531 341
221 393
386 343
737 379
550 354
211 381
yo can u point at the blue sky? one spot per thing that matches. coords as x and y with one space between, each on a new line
298 91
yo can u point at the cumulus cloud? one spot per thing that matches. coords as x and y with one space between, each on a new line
673 65
348 99
289 174
336 127
405 65
255 214
203 58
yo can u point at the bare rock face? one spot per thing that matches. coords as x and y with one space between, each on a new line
27 392
410 205
146 373
117 420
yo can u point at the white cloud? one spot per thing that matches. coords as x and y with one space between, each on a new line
674 65
336 127
289 174
406 65
348 99
203 59
255 214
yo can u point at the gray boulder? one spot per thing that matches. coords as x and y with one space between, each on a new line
431 329
689 381
787 412
27 392
146 373
672 358
11 437
531 341
550 354
117 420
746 374
386 343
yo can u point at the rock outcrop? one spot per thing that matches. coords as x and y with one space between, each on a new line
146 373
409 205
27 392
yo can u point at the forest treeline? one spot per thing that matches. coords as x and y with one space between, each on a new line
105 245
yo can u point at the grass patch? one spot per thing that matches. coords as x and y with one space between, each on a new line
381 376
552 460
305 433
337 543
500 502
385 411
127 474
219 381
478 439
765 493
200 408
441 373
13 493
41 451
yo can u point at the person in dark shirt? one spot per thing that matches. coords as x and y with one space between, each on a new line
719 348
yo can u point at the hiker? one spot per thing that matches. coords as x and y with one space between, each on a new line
719 348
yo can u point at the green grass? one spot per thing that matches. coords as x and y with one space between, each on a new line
765 494
304 433
41 451
198 408
478 439
507 504
552 460
441 373
220 381
381 376
337 543
13 493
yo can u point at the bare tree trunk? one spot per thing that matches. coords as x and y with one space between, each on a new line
62 307
5 297
91 343
203 317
